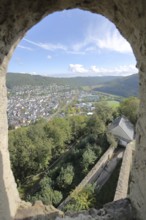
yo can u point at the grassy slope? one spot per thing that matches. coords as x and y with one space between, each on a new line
126 86
113 104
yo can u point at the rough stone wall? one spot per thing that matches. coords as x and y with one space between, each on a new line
112 211
123 181
138 178
9 196
17 16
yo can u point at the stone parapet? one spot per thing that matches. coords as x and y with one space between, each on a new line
123 181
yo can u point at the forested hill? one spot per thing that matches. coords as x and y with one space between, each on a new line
117 85
17 79
126 86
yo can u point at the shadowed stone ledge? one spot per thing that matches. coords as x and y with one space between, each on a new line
119 210
38 211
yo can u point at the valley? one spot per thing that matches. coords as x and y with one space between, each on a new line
58 132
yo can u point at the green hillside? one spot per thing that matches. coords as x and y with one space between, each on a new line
17 79
126 86
117 85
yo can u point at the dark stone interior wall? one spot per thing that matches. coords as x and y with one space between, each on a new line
16 17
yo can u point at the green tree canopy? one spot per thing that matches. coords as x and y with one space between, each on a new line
66 175
78 124
129 107
46 194
59 131
88 158
27 156
72 144
95 125
82 200
104 111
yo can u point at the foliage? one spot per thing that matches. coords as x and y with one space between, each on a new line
32 148
88 158
27 156
59 131
65 177
17 79
90 197
74 144
46 194
125 86
82 200
104 111
95 125
111 139
129 107
78 124
113 104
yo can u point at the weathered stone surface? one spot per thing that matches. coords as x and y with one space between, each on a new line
119 210
16 17
9 197
138 177
123 181
37 211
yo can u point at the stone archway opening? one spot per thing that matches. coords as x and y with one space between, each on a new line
16 18
32 42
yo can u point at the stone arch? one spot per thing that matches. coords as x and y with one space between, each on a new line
16 18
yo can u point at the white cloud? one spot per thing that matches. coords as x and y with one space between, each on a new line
104 36
96 38
49 57
121 70
94 69
79 45
100 71
113 41
91 49
33 73
76 52
77 68
25 48
52 47
47 46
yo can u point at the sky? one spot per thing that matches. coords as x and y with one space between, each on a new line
73 43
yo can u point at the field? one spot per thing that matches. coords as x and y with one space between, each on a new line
114 104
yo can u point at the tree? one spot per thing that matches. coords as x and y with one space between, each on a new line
129 107
59 131
111 140
65 177
36 131
82 199
29 154
46 194
88 158
95 125
78 124
104 111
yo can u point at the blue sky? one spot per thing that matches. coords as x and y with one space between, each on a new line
73 43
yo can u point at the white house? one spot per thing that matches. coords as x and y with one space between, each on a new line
122 129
